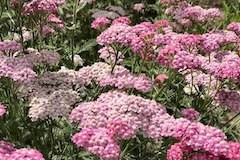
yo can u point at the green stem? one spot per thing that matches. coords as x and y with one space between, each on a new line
75 6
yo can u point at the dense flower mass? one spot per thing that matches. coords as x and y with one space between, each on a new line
100 22
8 47
229 99
40 6
9 152
18 69
98 141
120 77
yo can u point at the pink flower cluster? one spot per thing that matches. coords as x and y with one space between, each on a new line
190 114
2 110
99 142
8 152
18 69
121 20
151 119
120 78
8 46
138 7
116 34
100 22
108 55
40 6
234 26
230 99
228 67
186 14
43 57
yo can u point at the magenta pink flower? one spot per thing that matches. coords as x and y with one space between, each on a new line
190 114
234 26
99 142
40 6
26 154
121 20
8 46
100 22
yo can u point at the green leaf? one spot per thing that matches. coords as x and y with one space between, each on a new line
87 46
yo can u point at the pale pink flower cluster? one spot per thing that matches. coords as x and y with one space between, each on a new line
50 94
138 7
43 57
161 78
230 99
186 14
100 22
190 114
108 55
40 6
177 151
18 69
120 78
8 46
53 19
8 152
26 35
121 20
199 78
57 104
116 34
2 110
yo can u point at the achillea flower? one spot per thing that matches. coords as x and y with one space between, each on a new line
56 104
47 30
234 26
99 142
184 60
6 148
26 154
121 20
40 6
100 22
26 35
42 57
201 79
227 68
120 129
161 78
2 110
234 151
190 114
53 19
116 34
230 99
9 47
138 7
18 69
177 151
120 78
108 55
132 110
205 156
161 23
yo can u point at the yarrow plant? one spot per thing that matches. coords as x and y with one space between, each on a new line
111 80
